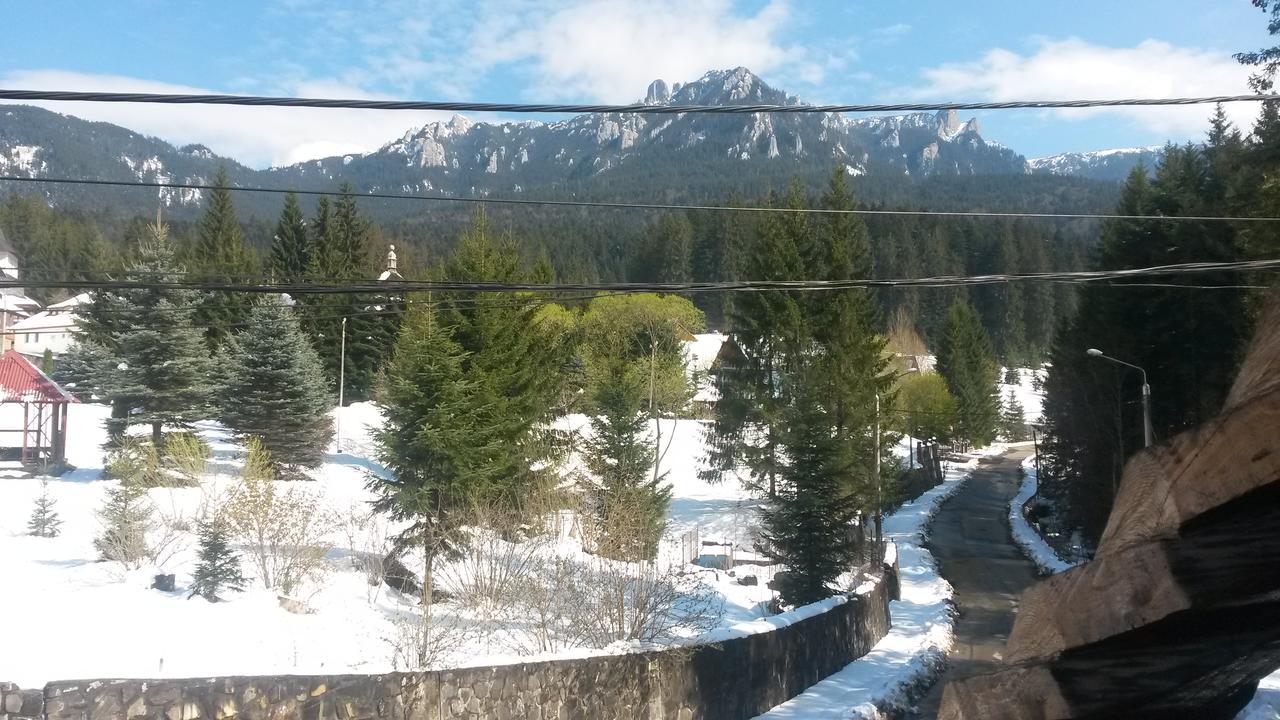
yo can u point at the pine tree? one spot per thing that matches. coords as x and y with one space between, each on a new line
1013 421
125 519
807 523
275 390
219 566
967 361
440 440
626 501
44 520
221 255
162 370
290 246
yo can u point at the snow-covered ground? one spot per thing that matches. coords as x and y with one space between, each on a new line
1032 544
1266 702
84 618
914 652
1031 400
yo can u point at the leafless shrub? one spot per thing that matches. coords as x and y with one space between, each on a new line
641 602
424 640
501 547
283 528
368 544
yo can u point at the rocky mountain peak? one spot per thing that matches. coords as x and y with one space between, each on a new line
658 93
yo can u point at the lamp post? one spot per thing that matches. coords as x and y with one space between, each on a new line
1147 434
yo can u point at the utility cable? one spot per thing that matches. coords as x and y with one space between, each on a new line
631 109
642 206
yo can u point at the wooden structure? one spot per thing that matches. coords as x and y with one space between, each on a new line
44 412
1178 614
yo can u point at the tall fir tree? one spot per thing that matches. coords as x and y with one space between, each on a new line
291 244
162 369
967 361
807 522
626 500
220 254
218 566
44 520
274 389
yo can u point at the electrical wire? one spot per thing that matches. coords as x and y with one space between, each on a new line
629 109
643 206
405 286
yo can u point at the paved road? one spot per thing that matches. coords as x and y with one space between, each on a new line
971 541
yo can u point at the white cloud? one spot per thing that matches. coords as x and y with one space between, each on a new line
256 136
610 50
1076 69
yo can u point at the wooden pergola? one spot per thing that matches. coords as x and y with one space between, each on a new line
44 411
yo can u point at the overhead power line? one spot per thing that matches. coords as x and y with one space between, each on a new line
634 108
452 286
642 206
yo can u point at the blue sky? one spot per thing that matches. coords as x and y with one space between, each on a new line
608 50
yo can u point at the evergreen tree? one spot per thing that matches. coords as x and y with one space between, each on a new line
44 521
807 523
626 501
162 370
125 519
221 255
1013 421
441 441
967 361
275 390
290 246
675 249
218 569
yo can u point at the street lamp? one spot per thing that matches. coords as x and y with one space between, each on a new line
1147 434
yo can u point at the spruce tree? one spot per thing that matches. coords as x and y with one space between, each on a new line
125 518
275 390
441 440
1013 421
626 500
44 521
219 566
220 254
967 361
290 246
807 522
162 371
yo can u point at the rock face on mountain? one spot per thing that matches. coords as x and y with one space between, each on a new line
463 157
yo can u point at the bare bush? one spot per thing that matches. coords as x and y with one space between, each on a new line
640 602
369 544
283 528
423 640
500 548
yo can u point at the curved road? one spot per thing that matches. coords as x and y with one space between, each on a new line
971 541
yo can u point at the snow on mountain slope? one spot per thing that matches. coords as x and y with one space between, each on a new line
1113 164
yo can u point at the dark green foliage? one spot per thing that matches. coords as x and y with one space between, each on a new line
274 389
218 570
290 246
807 523
1188 342
125 519
53 244
221 255
44 521
966 360
46 362
626 498
82 369
161 371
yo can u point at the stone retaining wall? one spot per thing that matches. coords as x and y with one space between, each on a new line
731 680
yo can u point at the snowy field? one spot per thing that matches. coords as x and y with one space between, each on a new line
1031 400
95 619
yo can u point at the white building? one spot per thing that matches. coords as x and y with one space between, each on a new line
51 329
14 304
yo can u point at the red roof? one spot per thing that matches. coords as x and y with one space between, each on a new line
20 381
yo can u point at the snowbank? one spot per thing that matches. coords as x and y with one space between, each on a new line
1032 544
914 652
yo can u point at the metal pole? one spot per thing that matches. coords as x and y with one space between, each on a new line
1147 433
1036 443
879 488
342 382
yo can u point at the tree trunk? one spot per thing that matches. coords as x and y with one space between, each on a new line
428 560
157 435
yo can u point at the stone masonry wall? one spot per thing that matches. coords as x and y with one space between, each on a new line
732 680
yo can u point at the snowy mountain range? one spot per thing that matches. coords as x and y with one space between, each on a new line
683 156
1112 165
